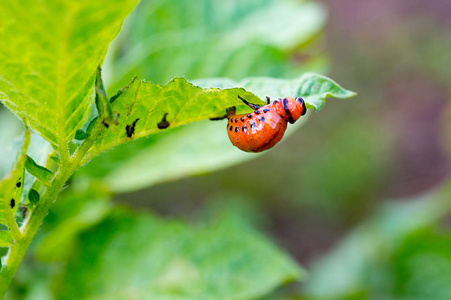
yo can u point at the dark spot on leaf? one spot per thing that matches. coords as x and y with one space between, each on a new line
12 203
130 129
163 123
19 184
230 111
105 124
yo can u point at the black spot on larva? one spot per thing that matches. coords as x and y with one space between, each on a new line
163 123
19 184
249 116
304 109
105 124
262 119
257 112
275 102
253 124
230 128
12 203
242 119
231 120
24 211
287 111
237 129
236 120
130 129
266 110
244 128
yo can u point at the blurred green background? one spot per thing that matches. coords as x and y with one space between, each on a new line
360 195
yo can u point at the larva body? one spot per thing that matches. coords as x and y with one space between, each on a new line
265 127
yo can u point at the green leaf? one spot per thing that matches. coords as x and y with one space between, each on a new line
192 149
225 260
364 250
34 196
146 108
47 71
422 265
232 38
9 189
313 88
41 173
81 135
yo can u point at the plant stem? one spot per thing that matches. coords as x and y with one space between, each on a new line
31 225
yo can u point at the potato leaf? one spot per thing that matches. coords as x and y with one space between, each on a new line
223 260
196 148
47 69
145 108
41 173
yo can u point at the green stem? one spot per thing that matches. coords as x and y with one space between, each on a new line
32 223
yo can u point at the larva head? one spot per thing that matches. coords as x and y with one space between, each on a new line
290 109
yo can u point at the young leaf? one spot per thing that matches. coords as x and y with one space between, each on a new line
146 108
81 135
47 69
41 173
225 260
102 103
34 196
